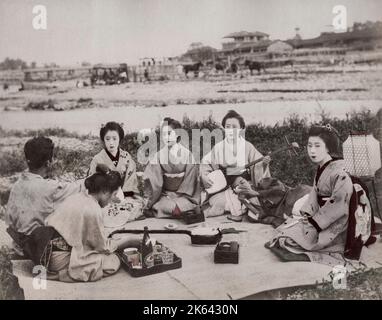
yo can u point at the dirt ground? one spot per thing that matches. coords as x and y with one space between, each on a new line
303 83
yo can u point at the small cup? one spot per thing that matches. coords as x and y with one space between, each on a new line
158 248
133 256
158 258
149 261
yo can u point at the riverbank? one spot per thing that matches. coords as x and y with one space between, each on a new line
89 121
357 83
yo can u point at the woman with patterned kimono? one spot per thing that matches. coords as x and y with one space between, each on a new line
320 234
171 183
231 155
115 158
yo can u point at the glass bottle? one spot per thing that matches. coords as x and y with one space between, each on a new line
147 250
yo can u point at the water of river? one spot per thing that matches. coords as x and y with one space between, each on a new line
135 118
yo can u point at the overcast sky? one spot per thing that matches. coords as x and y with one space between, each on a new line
126 30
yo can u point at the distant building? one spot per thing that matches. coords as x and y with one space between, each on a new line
364 39
147 62
258 46
245 42
244 38
56 73
155 68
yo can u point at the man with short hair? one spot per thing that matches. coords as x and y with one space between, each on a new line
34 197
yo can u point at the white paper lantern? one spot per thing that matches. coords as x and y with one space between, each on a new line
362 154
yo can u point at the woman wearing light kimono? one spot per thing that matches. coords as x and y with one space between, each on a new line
80 249
231 155
171 184
320 234
115 158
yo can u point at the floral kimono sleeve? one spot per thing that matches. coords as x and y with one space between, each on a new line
130 183
337 205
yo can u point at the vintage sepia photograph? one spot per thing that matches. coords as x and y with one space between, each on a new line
215 150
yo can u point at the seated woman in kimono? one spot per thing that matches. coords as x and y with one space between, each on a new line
171 183
320 234
34 196
231 155
115 158
80 250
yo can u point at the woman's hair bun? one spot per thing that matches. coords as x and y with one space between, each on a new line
102 168
103 179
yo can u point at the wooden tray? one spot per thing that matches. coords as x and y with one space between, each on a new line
177 263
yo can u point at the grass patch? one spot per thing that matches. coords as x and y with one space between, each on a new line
361 285
9 284
40 105
74 162
12 162
57 132
291 170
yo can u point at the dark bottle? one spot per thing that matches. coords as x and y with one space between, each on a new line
147 250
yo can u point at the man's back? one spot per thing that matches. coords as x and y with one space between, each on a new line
33 198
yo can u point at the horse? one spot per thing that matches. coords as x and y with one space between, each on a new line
193 67
233 68
255 65
220 66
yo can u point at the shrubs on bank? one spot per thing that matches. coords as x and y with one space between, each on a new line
290 169
9 284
